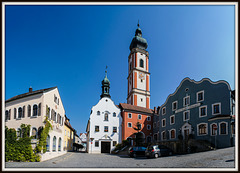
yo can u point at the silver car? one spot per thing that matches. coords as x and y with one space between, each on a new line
152 151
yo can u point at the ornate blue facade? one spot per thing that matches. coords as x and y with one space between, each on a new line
197 112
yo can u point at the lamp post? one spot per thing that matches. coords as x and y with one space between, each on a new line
91 143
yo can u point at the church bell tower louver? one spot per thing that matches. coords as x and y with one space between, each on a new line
138 72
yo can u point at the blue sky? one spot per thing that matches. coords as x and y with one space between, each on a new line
70 46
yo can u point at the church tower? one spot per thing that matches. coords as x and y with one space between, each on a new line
138 72
105 87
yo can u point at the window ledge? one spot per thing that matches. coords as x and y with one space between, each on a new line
18 118
33 116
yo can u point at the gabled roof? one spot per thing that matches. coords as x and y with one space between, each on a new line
30 94
129 107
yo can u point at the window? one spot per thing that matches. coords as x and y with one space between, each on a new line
174 106
15 113
98 112
129 124
202 111
35 110
34 133
139 117
223 128
202 129
6 115
114 129
155 137
129 115
23 113
19 112
149 139
172 119
18 132
186 101
141 63
96 143
39 109
29 110
163 122
213 129
164 135
54 143
114 114
114 143
105 128
9 114
48 143
59 144
163 110
154 125
216 108
186 115
149 118
149 127
200 96
105 117
172 134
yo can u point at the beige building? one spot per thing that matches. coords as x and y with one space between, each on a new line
68 135
32 108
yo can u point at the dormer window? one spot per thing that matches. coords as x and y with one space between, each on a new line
98 112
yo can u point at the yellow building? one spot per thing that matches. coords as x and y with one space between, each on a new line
68 135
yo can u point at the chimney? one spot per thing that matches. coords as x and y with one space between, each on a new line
155 110
30 89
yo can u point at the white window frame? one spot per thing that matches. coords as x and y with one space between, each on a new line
199 109
170 119
128 124
162 136
129 114
163 109
176 105
188 115
197 96
140 117
219 108
148 118
198 129
219 131
170 133
184 104
211 129
148 127
164 119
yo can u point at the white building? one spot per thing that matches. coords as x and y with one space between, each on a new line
32 108
104 125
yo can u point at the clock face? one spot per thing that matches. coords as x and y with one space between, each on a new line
141 75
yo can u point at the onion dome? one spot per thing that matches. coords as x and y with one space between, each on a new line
105 87
138 41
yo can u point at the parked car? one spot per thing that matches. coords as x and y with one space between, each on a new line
136 151
156 151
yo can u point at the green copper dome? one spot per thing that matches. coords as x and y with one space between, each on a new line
138 41
105 87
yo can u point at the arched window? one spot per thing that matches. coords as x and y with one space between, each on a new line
149 139
141 63
223 128
48 143
164 135
202 129
98 112
54 143
6 115
23 113
172 134
52 114
15 113
19 112
114 114
35 108
59 144
34 133
105 117
29 110
39 132
39 109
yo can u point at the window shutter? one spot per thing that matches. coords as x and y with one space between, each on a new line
23 114
39 109
9 114
15 112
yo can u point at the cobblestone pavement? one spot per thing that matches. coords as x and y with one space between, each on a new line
221 158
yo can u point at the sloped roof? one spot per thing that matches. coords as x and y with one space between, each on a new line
69 125
135 108
219 116
30 94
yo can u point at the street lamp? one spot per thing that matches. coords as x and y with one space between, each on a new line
91 143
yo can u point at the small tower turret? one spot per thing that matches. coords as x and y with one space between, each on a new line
105 86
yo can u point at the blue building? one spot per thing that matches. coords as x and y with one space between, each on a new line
197 116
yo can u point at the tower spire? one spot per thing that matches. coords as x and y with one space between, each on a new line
138 23
105 86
